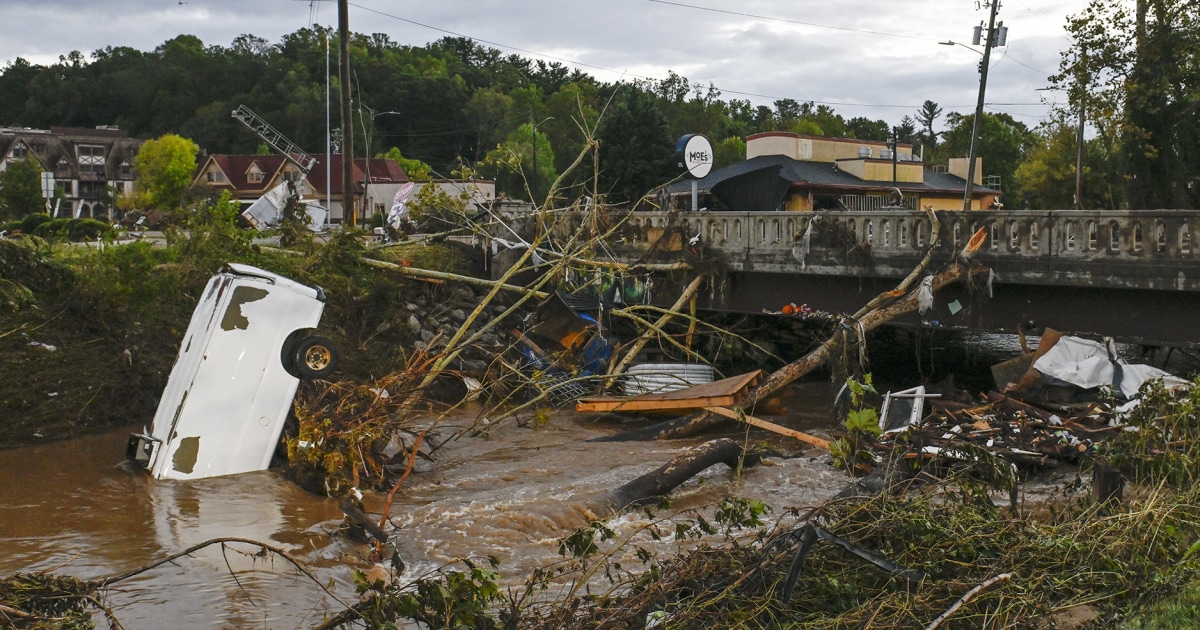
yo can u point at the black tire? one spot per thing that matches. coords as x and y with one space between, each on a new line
314 357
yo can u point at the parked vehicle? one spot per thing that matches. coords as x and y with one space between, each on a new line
231 390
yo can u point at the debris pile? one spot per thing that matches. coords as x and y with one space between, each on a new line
1025 435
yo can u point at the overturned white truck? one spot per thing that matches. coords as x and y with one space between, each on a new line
231 390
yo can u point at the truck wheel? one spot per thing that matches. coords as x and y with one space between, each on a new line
314 357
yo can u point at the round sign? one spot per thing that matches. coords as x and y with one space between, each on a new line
694 154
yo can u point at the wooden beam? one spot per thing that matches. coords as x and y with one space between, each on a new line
600 405
770 426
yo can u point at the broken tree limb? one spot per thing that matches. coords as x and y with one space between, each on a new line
912 276
670 475
415 272
652 328
688 291
109 581
770 426
702 420
966 598
354 513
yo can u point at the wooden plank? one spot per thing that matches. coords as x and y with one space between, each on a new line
770 426
637 403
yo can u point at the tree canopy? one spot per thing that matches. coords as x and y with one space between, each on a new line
1135 70
21 189
164 168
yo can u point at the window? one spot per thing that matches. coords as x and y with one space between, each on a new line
920 229
1160 237
254 177
1185 239
1035 233
1014 235
1114 236
1070 234
903 233
1137 236
886 227
1092 235
869 227
956 238
995 235
126 169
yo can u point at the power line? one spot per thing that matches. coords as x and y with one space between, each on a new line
788 21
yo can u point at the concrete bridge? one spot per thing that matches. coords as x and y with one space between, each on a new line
1132 275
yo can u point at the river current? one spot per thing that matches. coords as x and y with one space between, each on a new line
74 508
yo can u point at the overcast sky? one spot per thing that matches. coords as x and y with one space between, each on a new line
873 58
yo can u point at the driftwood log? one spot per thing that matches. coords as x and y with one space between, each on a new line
900 303
670 475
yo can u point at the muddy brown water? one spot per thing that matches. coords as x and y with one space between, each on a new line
73 508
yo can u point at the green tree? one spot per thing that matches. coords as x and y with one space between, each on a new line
1002 142
906 131
1137 75
636 149
866 129
417 170
21 189
1045 179
512 164
164 168
731 150
926 117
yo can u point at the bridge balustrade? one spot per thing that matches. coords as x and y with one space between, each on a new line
1068 234
1152 248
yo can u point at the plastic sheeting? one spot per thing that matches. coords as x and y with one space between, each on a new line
1090 364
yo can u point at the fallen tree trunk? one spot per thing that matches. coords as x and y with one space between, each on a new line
670 475
702 420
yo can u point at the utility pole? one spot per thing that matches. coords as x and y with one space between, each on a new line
895 151
1079 88
347 119
988 42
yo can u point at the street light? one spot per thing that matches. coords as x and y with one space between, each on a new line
367 170
533 192
950 42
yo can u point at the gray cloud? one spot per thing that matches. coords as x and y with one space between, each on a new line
885 73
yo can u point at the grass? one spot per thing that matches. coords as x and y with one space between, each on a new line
1172 612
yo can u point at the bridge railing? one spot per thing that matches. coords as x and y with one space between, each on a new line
1068 234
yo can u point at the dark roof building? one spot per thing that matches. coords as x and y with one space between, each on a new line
90 166
787 171
248 177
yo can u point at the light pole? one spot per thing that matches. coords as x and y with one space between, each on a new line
533 133
367 165
988 42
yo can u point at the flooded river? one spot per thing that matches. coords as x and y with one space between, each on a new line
72 508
